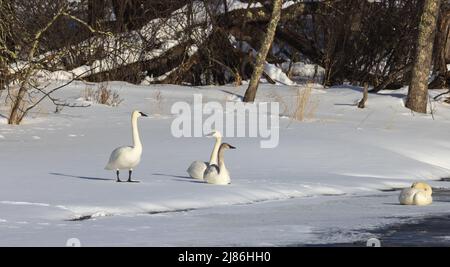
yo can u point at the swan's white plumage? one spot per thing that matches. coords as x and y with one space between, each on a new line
419 194
217 175
127 157
197 168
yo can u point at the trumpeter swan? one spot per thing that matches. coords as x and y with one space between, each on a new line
418 194
218 174
127 157
197 168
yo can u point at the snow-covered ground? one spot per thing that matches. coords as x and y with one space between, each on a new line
321 184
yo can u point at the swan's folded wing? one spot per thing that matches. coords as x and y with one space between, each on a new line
212 170
118 158
196 169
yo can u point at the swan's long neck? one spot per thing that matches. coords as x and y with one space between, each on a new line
136 140
221 159
214 153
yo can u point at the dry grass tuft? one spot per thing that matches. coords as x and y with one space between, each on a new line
102 95
304 108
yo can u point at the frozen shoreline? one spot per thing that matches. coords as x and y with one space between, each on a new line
430 230
311 221
315 187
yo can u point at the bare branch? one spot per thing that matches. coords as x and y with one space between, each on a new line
47 94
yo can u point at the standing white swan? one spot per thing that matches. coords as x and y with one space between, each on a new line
127 157
418 194
197 168
218 174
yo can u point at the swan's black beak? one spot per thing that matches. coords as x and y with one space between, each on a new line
143 114
232 147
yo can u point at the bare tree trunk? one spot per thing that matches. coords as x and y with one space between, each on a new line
17 110
418 87
96 9
439 62
362 102
250 94
3 46
121 10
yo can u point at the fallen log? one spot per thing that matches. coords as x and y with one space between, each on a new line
153 67
391 78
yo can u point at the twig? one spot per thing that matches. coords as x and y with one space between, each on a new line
431 106
86 25
47 94
14 117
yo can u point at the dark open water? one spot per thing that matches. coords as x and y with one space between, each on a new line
426 232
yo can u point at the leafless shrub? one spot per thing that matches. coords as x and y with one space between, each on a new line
58 108
157 97
24 46
102 95
304 108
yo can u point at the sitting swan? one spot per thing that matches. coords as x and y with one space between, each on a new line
197 168
218 174
127 157
419 194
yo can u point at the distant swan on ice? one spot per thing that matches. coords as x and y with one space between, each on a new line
418 194
197 168
127 157
218 174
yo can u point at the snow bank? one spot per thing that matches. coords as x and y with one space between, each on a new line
271 70
303 70
341 156
277 74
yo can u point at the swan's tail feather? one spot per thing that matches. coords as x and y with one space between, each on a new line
108 167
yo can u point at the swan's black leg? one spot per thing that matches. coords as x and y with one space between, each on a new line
118 179
129 177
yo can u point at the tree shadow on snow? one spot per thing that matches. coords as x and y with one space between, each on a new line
82 177
233 94
345 104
